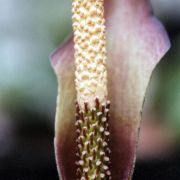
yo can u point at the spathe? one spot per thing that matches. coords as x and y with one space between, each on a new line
136 41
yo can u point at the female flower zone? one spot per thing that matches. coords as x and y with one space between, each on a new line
103 73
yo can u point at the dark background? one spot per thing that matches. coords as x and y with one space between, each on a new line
29 31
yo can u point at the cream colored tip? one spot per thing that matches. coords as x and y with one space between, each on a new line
90 51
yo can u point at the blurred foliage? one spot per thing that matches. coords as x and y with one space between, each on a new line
167 93
30 30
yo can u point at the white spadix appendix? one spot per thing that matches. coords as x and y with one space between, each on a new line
103 72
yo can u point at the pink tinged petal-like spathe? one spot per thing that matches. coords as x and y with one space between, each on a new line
136 41
65 136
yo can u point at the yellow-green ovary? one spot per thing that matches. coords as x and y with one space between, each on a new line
92 130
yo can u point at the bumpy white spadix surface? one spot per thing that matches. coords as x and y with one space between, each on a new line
90 51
